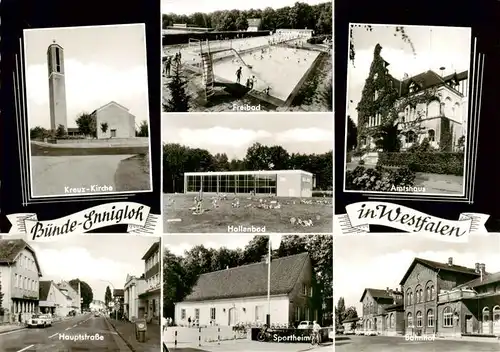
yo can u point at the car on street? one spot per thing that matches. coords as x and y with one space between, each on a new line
304 325
370 333
359 332
349 332
97 314
39 320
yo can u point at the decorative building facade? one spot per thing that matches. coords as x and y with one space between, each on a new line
430 105
134 308
239 295
440 299
20 276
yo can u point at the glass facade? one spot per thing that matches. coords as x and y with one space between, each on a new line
264 184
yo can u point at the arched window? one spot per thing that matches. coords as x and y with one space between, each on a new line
408 297
486 314
421 294
430 318
409 318
432 292
433 109
496 314
428 293
391 323
411 137
456 112
447 317
448 107
419 319
372 310
431 135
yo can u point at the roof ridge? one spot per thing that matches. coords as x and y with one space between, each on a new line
256 263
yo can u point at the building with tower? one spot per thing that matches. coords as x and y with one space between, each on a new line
57 87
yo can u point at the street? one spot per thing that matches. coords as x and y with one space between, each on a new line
246 345
63 337
398 344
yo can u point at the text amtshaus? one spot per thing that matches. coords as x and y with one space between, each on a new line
418 221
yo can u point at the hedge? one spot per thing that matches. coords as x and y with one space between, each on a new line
433 162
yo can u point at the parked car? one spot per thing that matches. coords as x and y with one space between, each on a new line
40 320
349 332
306 324
97 314
340 330
370 333
359 332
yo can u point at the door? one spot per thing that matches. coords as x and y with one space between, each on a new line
496 321
232 317
113 133
468 324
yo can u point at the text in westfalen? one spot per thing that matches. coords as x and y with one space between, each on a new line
418 221
90 220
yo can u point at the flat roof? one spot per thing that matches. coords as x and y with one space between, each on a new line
260 172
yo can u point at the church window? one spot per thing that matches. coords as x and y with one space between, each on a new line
58 60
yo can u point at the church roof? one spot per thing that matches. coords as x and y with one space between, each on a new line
250 280
108 104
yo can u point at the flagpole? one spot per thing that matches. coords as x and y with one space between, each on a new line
268 316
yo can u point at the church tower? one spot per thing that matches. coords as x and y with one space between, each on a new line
57 86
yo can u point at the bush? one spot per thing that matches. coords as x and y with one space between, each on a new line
431 162
348 157
328 194
379 179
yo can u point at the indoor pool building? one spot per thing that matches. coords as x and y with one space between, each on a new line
281 183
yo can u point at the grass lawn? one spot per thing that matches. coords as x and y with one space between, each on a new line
39 150
217 220
132 174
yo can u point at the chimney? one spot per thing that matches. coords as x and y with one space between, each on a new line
482 268
387 289
477 268
397 289
450 261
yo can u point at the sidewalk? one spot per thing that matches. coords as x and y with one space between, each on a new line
11 327
126 330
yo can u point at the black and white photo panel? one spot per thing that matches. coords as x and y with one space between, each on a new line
247 173
415 293
416 100
233 58
84 100
220 292
77 292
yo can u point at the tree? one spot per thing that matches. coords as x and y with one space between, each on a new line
179 100
352 134
143 129
340 312
61 131
104 127
86 124
86 293
39 133
108 297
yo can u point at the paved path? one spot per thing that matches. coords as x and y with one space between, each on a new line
52 174
398 344
49 339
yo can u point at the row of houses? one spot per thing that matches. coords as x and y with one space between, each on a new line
23 292
441 299
140 298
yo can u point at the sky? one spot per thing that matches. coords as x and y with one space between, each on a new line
380 260
102 64
99 260
183 7
435 47
178 244
296 132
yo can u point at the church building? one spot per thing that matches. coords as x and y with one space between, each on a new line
114 121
